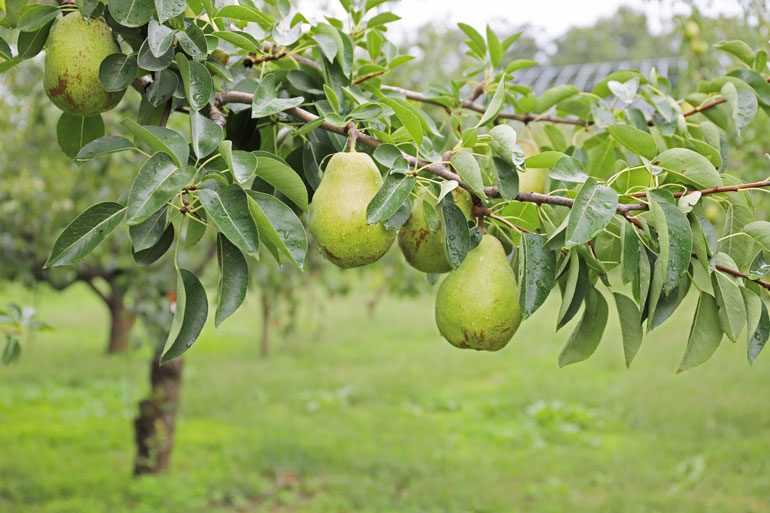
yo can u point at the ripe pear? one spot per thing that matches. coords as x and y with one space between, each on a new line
425 250
76 49
338 212
477 305
532 180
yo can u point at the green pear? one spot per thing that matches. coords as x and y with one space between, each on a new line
338 212
477 305
532 180
76 49
422 249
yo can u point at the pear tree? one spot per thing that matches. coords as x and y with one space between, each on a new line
611 211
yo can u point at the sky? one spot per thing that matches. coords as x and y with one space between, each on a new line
554 17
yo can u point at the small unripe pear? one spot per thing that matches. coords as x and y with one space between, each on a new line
477 305
532 180
691 29
76 49
425 251
338 212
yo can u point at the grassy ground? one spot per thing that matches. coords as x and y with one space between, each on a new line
378 414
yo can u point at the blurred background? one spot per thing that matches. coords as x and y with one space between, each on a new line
332 391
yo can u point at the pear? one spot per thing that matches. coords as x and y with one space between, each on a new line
422 249
338 212
532 180
76 49
477 305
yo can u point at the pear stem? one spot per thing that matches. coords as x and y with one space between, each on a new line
353 134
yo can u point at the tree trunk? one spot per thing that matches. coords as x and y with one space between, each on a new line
154 427
121 322
264 343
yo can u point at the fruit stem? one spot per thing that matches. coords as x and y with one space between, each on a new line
353 134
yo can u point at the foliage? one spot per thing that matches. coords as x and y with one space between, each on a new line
265 96
17 324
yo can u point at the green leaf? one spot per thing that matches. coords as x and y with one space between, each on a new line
206 135
228 208
192 308
147 233
117 71
738 246
635 140
594 207
5 50
495 48
408 118
332 98
29 44
197 82
476 42
758 326
507 178
244 13
85 232
537 272
131 13
159 38
163 86
168 9
544 160
244 165
742 102
756 82
241 40
387 154
150 255
574 288
495 105
585 339
568 169
36 16
389 198
675 236
194 232
704 240
760 232
279 226
233 279
104 146
705 334
503 143
553 96
157 183
160 139
732 309
629 255
193 42
458 238
146 60
283 178
266 101
74 132
739 49
690 167
469 170
630 325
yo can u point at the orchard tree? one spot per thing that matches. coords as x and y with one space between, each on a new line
618 211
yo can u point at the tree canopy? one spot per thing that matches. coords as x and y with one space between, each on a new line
242 107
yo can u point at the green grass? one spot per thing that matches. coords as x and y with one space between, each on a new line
379 414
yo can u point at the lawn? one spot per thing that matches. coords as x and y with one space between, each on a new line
376 413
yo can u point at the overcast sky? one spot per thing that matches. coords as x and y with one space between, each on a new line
553 16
